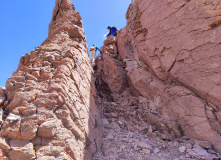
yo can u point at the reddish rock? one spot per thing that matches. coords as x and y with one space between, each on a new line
169 57
4 144
110 69
171 52
21 150
48 129
52 96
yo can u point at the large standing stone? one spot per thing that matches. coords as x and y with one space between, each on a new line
52 96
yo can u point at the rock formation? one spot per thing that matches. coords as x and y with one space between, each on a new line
134 128
171 53
128 135
159 79
51 110
110 72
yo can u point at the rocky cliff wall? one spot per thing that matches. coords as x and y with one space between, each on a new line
110 72
171 51
51 109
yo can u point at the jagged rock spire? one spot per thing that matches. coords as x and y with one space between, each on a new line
51 111
65 18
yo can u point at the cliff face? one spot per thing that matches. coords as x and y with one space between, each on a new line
171 51
51 110
171 54
110 72
159 79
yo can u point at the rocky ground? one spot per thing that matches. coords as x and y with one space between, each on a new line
127 136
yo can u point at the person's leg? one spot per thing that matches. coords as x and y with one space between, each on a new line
93 55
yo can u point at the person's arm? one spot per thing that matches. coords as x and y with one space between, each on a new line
109 33
98 49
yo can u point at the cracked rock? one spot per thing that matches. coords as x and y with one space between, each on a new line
21 150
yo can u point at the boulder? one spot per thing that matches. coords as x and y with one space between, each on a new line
48 129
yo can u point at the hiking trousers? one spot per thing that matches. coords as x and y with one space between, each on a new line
93 55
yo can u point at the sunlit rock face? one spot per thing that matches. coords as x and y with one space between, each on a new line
51 110
171 51
110 72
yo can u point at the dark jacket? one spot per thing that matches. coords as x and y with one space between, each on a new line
113 32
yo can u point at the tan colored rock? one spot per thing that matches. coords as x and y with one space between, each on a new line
2 155
146 151
182 149
21 150
169 61
3 144
142 144
2 91
48 129
11 132
204 144
109 68
110 40
52 97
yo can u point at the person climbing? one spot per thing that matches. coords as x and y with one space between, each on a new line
93 50
112 31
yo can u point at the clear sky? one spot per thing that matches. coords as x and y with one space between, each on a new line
24 26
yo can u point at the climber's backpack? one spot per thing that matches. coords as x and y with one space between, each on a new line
92 48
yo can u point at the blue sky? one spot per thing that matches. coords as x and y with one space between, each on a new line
24 26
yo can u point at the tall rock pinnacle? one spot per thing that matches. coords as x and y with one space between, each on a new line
65 18
51 110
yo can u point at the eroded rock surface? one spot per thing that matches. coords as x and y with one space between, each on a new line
158 86
129 134
110 72
171 54
171 50
52 111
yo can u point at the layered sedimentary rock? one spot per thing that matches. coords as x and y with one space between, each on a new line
52 111
172 55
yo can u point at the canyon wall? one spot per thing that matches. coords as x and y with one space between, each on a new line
171 51
50 111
